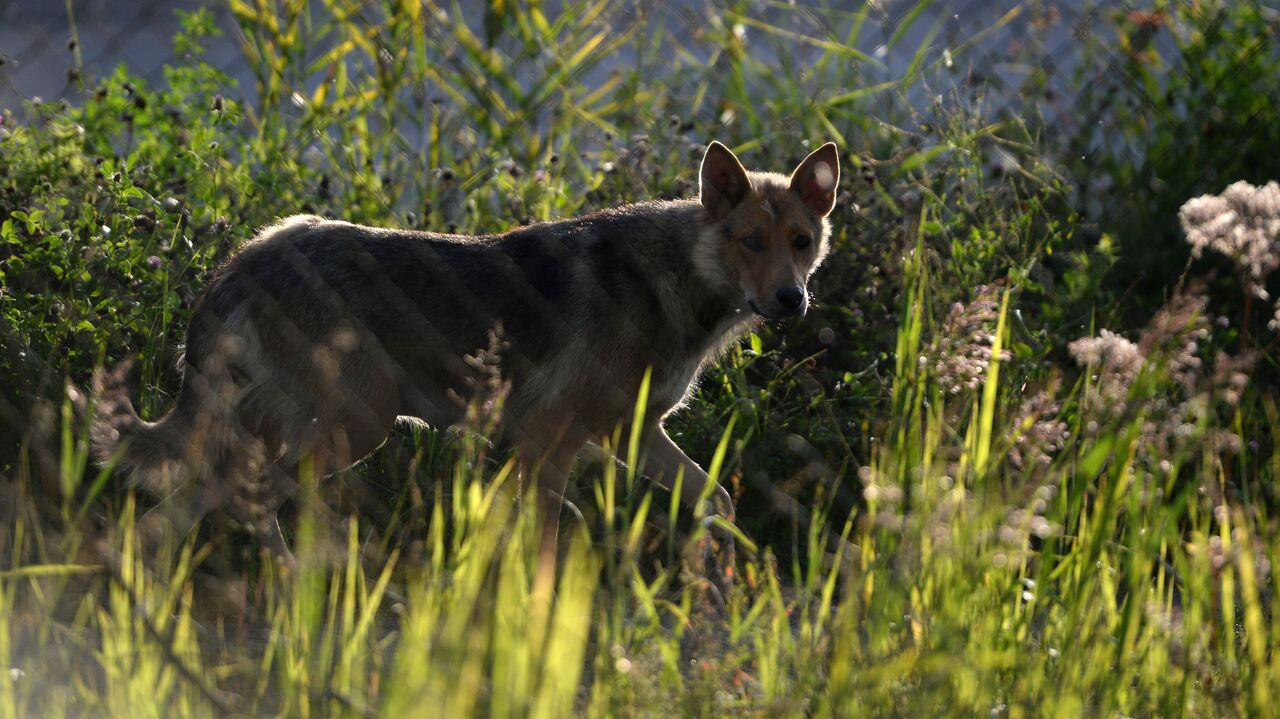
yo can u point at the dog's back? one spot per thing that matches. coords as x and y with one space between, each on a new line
617 282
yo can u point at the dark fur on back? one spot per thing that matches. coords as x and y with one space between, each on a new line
616 280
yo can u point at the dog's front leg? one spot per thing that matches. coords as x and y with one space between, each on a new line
663 461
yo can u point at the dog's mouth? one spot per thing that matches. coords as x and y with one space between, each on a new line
755 308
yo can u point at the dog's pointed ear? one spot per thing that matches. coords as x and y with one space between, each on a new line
722 181
815 179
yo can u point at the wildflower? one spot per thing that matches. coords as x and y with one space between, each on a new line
1038 433
1116 360
1242 223
1231 376
1178 413
1175 333
962 353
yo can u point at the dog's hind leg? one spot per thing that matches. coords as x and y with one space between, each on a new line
546 451
346 415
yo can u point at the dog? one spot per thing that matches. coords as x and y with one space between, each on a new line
318 335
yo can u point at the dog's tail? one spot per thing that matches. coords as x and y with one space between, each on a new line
150 453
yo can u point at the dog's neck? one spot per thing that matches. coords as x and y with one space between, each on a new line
717 312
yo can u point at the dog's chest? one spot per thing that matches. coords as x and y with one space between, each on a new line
672 384
674 379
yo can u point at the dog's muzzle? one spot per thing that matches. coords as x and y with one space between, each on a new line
786 302
791 300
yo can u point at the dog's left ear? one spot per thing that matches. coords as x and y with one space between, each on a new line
815 179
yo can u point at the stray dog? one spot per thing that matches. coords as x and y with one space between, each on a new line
317 335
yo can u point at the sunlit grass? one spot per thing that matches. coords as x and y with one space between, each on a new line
941 607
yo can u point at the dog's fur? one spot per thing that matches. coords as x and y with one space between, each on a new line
317 335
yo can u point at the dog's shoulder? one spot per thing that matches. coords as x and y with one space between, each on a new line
287 228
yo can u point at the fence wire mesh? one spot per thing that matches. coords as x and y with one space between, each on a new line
1013 49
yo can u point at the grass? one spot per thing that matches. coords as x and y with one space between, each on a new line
947 505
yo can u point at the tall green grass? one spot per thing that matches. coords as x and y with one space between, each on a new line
940 512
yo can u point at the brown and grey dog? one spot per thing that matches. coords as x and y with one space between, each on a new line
318 335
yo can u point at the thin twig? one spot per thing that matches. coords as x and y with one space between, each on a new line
349 703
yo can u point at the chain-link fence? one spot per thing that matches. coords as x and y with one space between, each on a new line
1005 46
50 48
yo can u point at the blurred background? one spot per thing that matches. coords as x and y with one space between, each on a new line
1008 43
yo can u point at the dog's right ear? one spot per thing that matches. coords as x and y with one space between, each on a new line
722 182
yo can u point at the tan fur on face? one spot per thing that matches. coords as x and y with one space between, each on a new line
776 217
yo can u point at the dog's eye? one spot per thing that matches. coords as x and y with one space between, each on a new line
803 241
753 243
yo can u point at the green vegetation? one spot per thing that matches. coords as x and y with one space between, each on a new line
960 492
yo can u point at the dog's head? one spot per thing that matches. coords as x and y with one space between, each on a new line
767 232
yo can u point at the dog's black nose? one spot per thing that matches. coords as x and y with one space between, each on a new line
790 298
